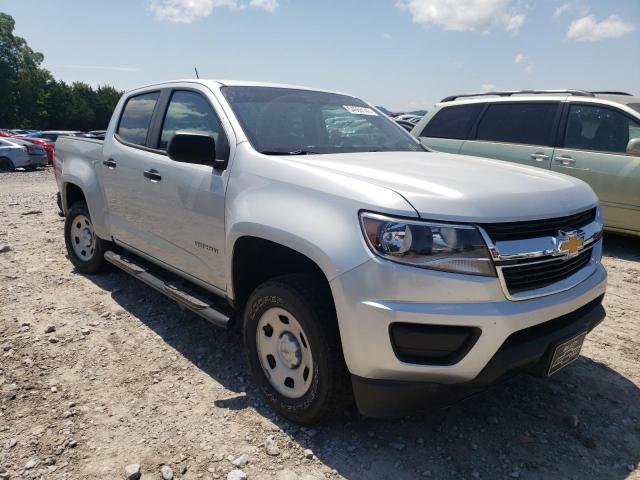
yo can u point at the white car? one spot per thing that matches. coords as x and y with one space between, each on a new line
357 266
16 153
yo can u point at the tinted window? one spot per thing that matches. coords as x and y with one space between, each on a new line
286 121
599 129
528 123
191 111
453 122
136 118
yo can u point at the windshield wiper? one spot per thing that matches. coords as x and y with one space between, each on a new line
281 152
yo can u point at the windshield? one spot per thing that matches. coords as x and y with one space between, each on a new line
286 121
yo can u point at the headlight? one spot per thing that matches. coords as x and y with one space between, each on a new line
438 246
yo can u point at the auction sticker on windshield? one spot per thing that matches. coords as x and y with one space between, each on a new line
360 110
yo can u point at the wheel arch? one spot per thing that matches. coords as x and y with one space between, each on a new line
73 190
256 259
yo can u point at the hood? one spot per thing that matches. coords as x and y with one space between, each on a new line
443 186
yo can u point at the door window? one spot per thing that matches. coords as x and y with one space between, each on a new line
136 118
590 127
453 122
191 111
526 123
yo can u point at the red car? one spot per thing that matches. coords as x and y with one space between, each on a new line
48 147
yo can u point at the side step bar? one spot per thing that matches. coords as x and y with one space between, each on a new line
184 298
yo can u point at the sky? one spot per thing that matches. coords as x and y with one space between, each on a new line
402 54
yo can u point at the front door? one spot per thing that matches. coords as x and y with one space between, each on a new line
519 132
184 202
594 150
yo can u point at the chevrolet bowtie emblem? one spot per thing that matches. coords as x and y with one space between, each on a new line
570 243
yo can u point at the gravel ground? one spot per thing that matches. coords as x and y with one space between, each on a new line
100 373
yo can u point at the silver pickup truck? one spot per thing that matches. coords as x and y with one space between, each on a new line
358 264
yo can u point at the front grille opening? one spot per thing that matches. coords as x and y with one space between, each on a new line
526 277
538 228
432 344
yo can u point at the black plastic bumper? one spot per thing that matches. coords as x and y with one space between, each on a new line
527 351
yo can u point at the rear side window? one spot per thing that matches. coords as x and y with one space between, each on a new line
191 111
136 118
599 129
453 122
527 123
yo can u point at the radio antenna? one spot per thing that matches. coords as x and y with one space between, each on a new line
196 69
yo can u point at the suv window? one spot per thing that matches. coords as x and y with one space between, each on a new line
191 111
599 129
136 118
527 123
453 122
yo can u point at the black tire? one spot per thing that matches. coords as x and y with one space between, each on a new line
6 165
309 301
96 263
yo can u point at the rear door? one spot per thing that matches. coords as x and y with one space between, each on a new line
121 172
520 132
593 148
447 128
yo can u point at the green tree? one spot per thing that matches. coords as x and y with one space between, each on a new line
31 98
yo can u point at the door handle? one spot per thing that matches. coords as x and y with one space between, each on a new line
539 156
565 160
153 175
110 163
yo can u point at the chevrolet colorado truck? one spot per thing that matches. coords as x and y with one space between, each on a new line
358 264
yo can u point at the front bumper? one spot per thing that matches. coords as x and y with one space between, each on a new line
527 350
369 299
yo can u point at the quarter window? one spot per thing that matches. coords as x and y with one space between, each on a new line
526 123
599 129
191 111
453 122
136 118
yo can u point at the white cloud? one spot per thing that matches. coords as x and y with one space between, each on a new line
488 87
268 5
464 15
520 58
570 7
187 11
588 29
528 69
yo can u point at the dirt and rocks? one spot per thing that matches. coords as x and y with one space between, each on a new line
101 377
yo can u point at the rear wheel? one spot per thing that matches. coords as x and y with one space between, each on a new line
85 248
6 165
293 349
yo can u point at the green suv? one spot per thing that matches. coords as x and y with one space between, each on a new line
594 136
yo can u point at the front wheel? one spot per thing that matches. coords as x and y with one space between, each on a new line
86 250
293 349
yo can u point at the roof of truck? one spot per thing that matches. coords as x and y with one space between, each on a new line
236 83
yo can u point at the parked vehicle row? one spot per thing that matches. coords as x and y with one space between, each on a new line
357 263
46 140
593 136
18 153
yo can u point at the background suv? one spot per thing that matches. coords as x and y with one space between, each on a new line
594 136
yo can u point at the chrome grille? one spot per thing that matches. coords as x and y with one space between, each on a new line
541 257
535 275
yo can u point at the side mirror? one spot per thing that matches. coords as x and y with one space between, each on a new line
194 147
633 147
